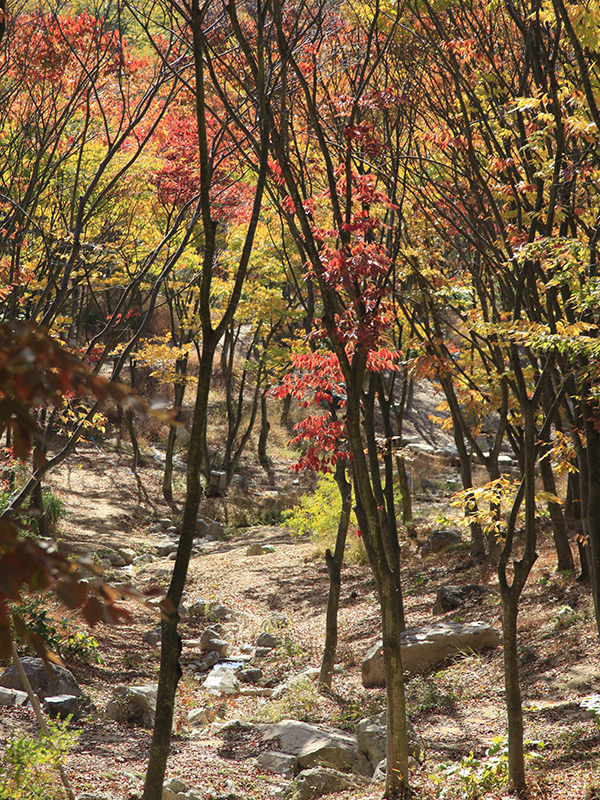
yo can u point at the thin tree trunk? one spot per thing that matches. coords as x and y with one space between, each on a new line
559 528
179 388
265 427
334 568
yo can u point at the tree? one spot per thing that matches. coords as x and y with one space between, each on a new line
216 135
35 372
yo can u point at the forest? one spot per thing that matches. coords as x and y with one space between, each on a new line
255 235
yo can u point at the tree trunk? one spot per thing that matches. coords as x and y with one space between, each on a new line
170 670
334 568
405 492
179 388
265 427
559 529
37 504
514 709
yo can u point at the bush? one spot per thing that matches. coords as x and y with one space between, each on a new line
318 516
29 769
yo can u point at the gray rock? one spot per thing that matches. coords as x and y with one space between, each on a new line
211 641
234 726
380 770
424 647
144 558
313 745
223 680
200 717
199 608
281 763
12 697
372 740
127 554
58 680
135 704
174 789
316 782
221 612
166 547
250 675
215 531
90 796
263 652
449 598
152 637
440 540
62 706
268 640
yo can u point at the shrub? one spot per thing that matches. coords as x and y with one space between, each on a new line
29 766
318 516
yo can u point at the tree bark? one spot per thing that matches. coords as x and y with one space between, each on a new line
334 568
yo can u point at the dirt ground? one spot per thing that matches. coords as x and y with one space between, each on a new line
457 709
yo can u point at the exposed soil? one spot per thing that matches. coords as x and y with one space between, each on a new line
457 709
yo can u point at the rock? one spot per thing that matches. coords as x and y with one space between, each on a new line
62 706
316 782
212 642
152 637
380 770
166 547
372 738
255 550
234 726
313 745
133 704
281 763
263 652
449 598
268 640
221 612
209 662
127 554
424 647
215 531
12 697
441 539
145 558
200 717
89 796
57 681
174 789
250 675
199 608
222 679
156 528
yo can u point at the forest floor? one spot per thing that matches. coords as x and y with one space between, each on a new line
457 708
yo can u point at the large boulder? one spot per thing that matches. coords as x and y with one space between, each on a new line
44 681
424 647
135 704
312 745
